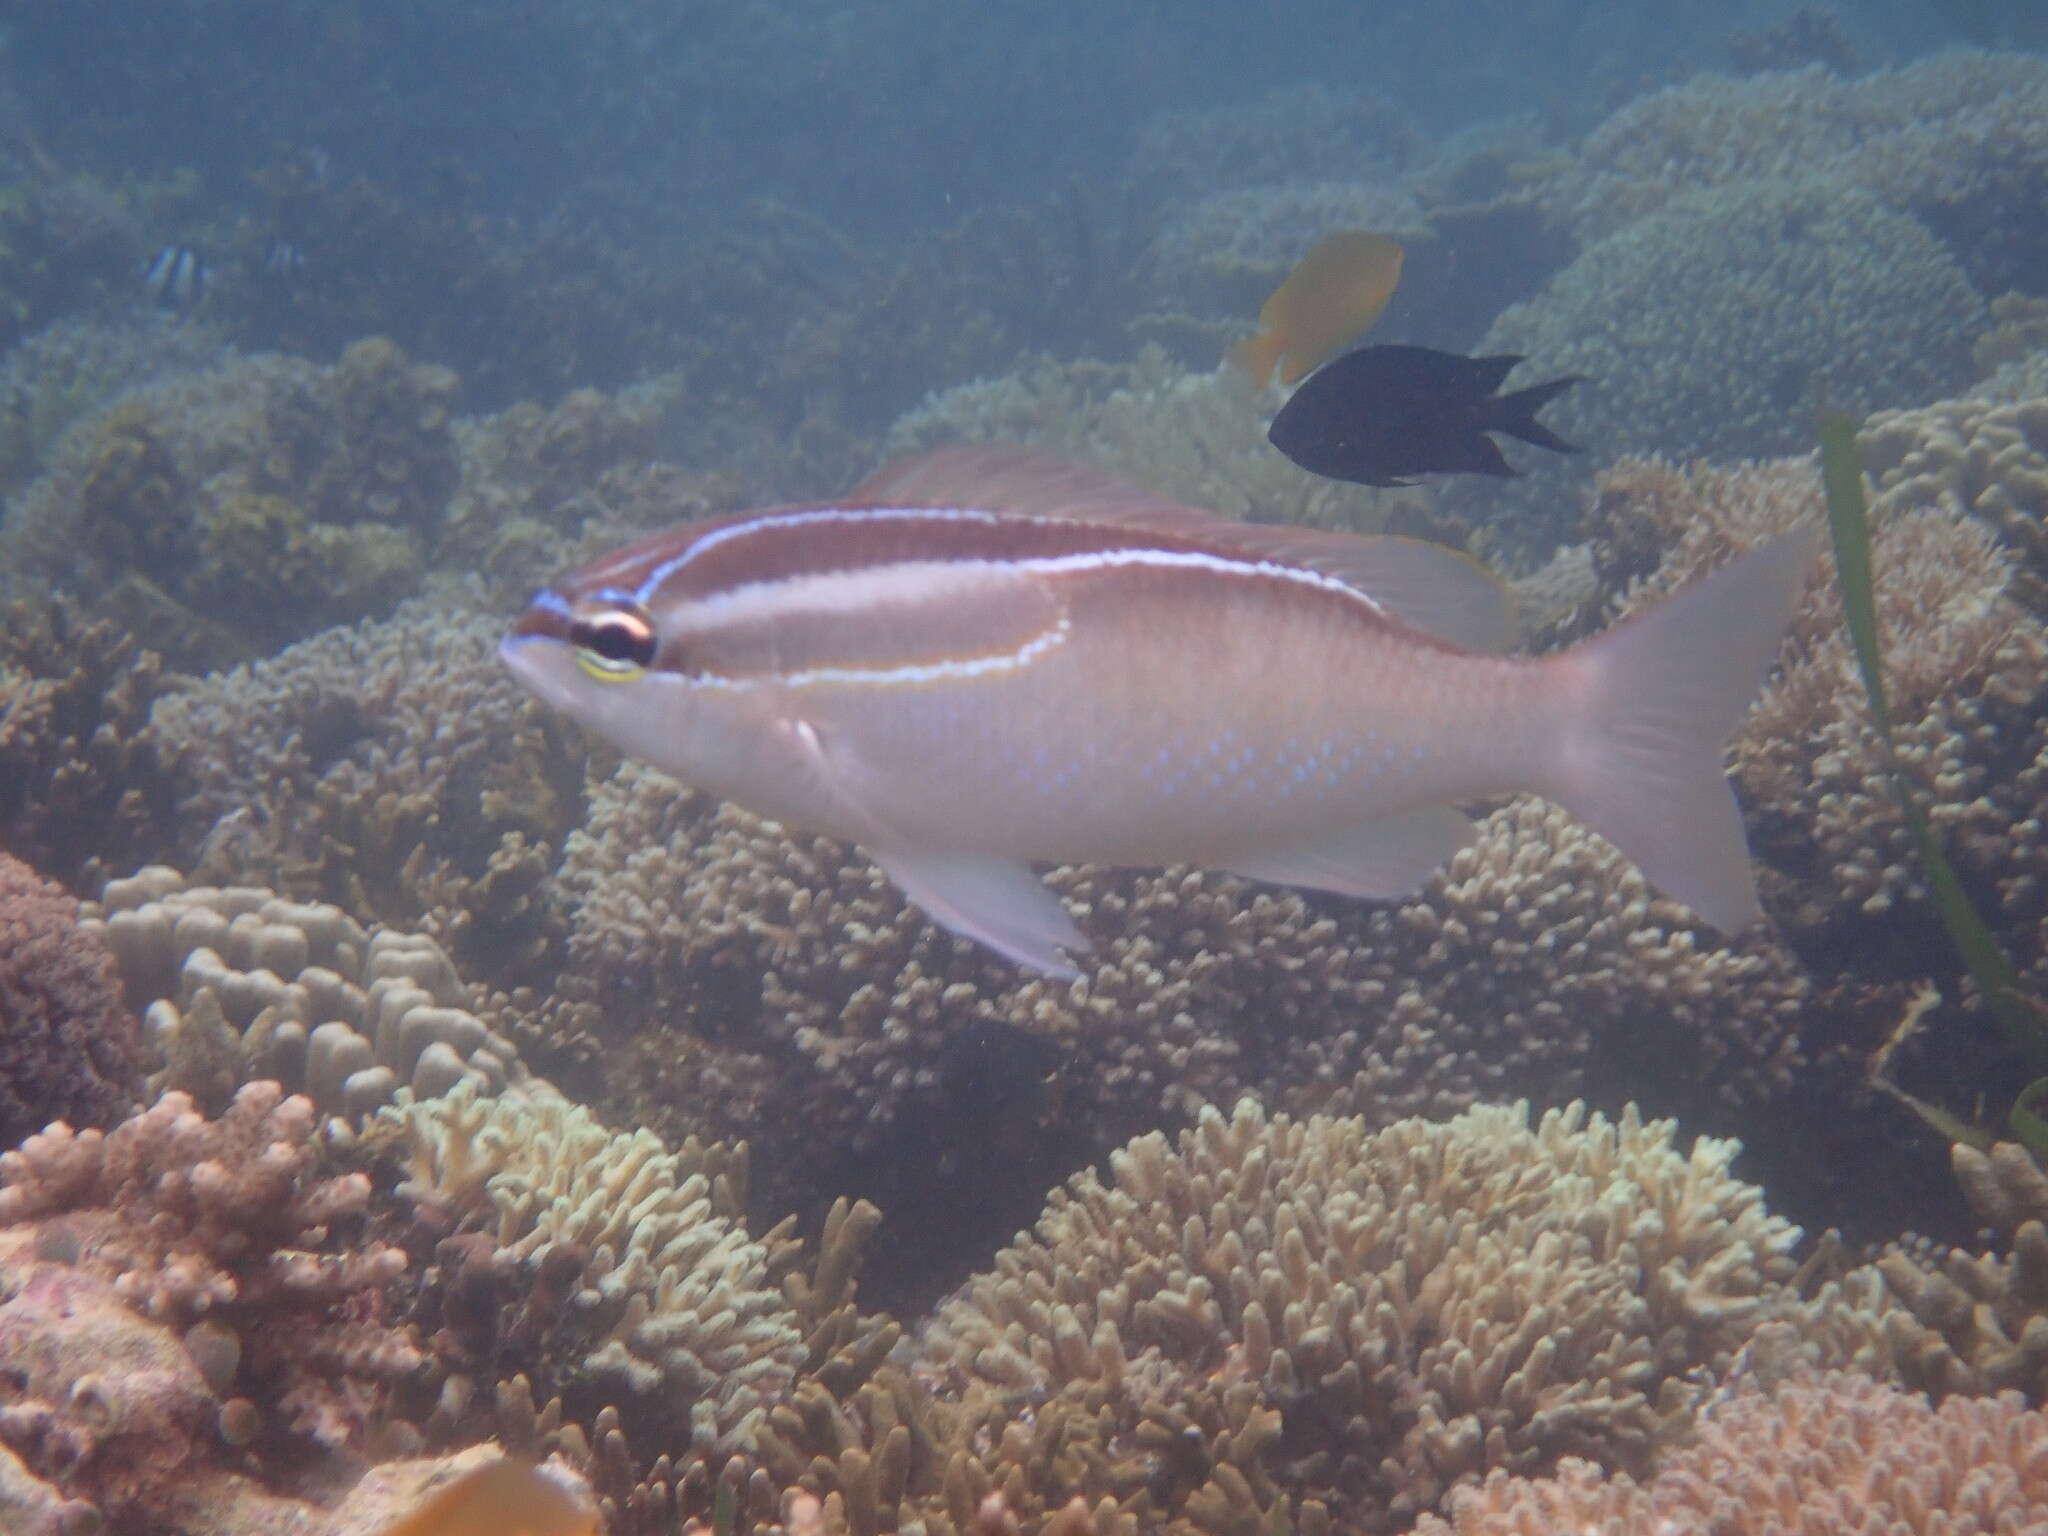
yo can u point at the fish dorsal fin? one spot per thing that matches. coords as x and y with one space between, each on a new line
1025 482
1426 586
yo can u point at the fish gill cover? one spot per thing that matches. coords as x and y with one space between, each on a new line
407 1098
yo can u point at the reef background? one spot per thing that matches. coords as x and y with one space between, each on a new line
393 1073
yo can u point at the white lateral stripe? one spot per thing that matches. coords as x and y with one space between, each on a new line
838 592
849 591
917 672
718 536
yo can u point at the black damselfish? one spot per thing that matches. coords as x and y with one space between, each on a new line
1379 414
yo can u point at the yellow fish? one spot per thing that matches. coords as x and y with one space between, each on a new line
1339 289
985 657
503 1498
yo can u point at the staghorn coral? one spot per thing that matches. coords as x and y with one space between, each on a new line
227 1231
1968 1324
82 787
68 1048
228 510
237 983
1360 1319
1700 327
392 769
1817 1456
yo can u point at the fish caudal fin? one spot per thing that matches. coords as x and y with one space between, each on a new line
1516 414
1660 694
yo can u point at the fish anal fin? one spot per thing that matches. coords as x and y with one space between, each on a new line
1382 859
997 902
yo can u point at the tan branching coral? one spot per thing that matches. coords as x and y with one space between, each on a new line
674 1301
237 982
1976 1323
229 1227
599 1293
1818 1457
793 983
82 791
1365 1319
393 769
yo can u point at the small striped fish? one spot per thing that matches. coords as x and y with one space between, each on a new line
985 657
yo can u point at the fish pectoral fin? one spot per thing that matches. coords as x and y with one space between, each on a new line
1382 859
997 902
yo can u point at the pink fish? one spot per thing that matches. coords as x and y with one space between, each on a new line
985 657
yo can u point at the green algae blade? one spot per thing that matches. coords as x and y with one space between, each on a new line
2025 1026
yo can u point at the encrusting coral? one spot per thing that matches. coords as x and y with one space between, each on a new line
1820 1456
69 1048
1358 1320
238 983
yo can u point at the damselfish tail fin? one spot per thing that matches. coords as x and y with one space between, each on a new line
1516 414
1660 695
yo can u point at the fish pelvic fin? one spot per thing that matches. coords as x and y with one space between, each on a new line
1515 414
997 902
1658 695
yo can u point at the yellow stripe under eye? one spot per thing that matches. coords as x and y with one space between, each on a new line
614 640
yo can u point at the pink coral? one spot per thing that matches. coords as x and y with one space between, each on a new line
229 1221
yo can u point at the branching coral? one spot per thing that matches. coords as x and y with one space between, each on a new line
227 1227
612 1281
1817 1457
392 769
1363 1318
1974 1324
69 1048
792 983
82 788
240 983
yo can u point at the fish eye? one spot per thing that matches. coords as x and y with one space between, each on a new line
614 640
